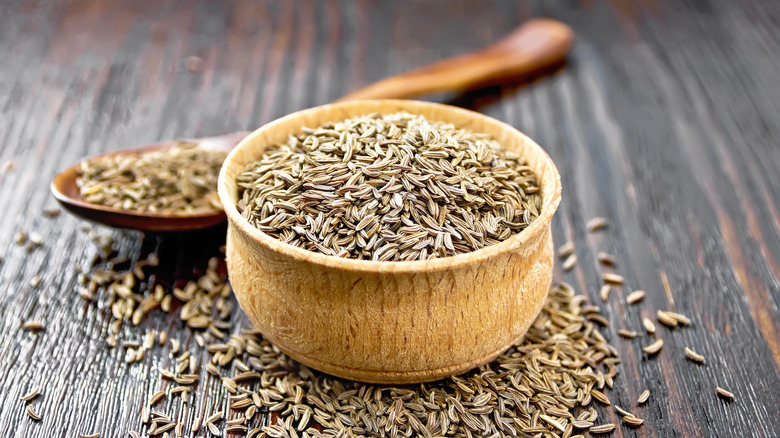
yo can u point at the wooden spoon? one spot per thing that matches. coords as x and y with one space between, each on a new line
537 44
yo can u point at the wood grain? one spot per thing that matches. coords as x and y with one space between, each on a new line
664 121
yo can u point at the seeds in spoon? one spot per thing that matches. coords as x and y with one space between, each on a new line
182 180
569 263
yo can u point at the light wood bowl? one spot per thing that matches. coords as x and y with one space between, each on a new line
390 322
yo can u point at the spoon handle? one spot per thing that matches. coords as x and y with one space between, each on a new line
537 44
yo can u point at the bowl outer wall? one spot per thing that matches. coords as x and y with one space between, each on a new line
390 321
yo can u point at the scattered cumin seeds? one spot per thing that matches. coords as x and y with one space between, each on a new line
597 223
32 325
89 435
566 249
32 414
635 297
31 394
570 262
604 292
724 393
643 396
654 348
613 278
605 258
694 356
627 334
604 428
649 326
213 428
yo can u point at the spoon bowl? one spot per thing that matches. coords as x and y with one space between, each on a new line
65 190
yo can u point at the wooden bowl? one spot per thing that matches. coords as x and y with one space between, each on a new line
390 322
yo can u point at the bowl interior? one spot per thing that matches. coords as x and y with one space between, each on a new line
278 131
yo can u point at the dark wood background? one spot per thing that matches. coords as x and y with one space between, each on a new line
666 121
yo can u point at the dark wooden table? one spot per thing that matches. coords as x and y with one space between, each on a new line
666 121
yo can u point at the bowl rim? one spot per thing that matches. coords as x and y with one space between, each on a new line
539 225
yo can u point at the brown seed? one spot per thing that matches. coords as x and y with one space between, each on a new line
597 223
32 414
724 393
605 259
679 317
635 297
628 334
156 397
570 262
31 394
694 356
604 292
32 325
194 63
643 397
51 212
613 278
654 348
89 435
633 421
213 428
604 428
214 417
600 396
665 319
649 326
20 237
566 249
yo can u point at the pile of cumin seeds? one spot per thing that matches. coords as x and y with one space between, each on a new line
389 188
182 179
541 387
